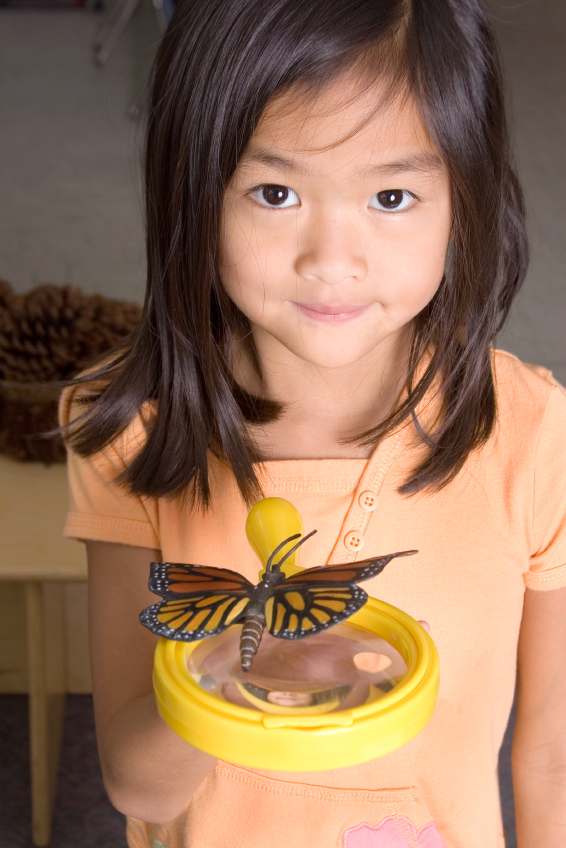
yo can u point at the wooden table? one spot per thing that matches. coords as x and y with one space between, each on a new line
33 552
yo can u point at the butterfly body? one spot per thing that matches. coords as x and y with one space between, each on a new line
254 621
202 601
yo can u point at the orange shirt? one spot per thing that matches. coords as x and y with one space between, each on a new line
499 527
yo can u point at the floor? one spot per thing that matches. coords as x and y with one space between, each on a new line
84 817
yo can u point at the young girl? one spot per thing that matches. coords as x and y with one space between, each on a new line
335 236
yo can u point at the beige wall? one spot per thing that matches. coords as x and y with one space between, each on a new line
70 183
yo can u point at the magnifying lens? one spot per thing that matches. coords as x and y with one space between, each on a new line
349 694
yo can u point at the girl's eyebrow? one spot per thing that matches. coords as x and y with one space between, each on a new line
422 161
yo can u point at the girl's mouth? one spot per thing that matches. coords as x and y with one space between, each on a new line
331 314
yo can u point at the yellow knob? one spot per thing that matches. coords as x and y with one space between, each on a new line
271 521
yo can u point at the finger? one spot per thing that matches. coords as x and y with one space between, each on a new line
425 624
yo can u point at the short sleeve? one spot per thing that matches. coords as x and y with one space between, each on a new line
100 509
547 569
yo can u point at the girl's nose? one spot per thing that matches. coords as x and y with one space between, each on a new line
331 252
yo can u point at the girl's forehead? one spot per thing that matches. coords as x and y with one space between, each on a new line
344 123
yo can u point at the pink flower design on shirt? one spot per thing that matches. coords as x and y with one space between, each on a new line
389 834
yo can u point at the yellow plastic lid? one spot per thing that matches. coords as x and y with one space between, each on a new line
312 727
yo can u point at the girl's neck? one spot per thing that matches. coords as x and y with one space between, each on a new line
322 407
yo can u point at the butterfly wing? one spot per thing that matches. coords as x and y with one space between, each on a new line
176 578
349 573
296 612
321 597
198 601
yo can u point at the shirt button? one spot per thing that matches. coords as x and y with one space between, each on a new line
354 541
368 501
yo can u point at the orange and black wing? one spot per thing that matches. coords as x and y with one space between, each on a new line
321 597
348 573
293 613
177 578
198 600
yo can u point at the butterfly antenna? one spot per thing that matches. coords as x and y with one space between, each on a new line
293 549
269 562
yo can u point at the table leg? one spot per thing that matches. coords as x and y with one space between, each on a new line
46 670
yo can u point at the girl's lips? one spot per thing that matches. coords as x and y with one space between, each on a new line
331 314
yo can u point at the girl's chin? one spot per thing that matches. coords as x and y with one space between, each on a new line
336 356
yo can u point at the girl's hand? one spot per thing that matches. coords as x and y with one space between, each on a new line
425 624
149 772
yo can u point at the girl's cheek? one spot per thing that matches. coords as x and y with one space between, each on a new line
236 247
247 239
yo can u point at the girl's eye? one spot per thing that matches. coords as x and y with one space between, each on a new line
276 196
392 200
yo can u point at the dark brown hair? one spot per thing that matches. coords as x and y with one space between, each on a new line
219 65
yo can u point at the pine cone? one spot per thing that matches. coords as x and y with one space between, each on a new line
6 295
47 335
53 332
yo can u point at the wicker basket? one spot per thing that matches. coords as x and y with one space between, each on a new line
46 336
28 410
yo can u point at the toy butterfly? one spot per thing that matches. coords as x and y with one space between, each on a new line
201 601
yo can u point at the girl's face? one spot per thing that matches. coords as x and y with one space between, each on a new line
331 247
